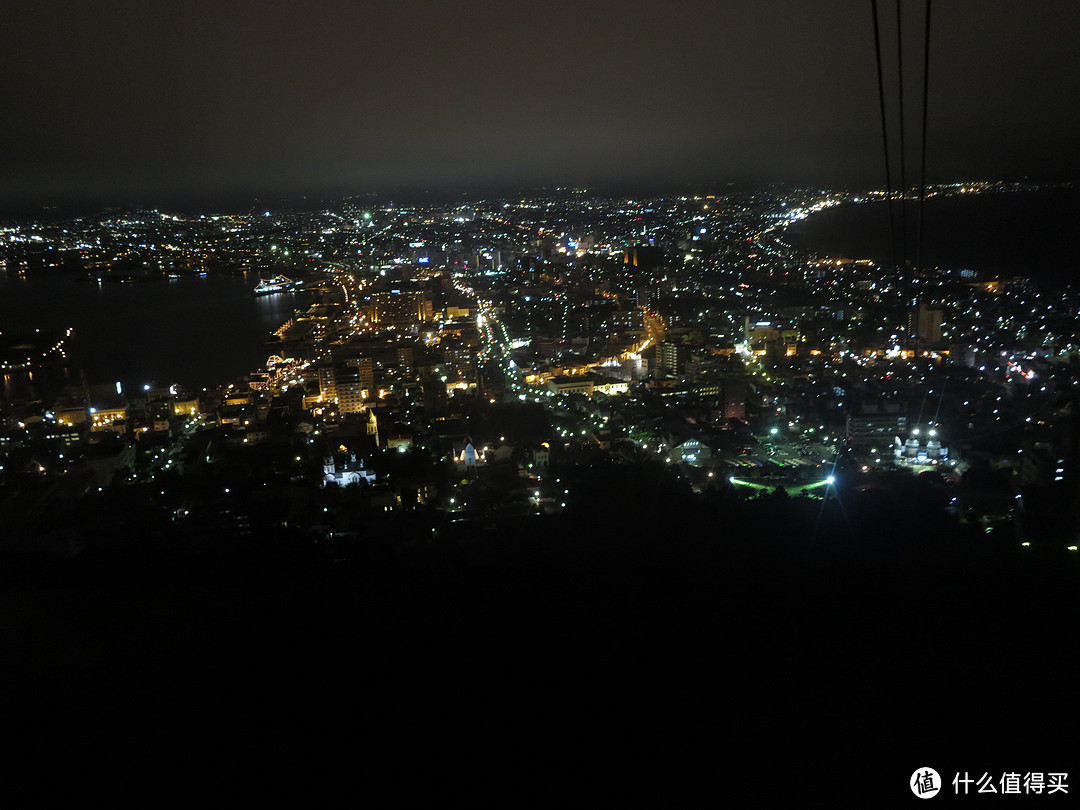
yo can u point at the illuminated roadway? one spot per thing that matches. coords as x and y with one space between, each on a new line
497 344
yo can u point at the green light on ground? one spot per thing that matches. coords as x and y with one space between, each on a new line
791 489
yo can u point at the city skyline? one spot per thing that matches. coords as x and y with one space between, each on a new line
108 103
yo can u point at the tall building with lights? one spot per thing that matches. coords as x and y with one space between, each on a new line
924 325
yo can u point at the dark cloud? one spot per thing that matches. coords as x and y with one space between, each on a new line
112 98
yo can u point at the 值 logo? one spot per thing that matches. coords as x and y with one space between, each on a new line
925 783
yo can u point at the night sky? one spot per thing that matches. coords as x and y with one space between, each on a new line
114 100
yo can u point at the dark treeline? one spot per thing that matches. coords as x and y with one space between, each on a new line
649 642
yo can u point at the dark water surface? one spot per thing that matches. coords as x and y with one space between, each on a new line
198 331
1030 233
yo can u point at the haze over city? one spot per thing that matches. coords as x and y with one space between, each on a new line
110 101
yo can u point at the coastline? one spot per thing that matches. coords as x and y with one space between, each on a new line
1017 233
197 331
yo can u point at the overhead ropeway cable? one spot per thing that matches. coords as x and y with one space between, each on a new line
922 164
884 129
898 156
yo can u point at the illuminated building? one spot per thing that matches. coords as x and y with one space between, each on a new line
348 383
346 474
924 324
402 442
237 398
397 308
767 339
876 425
460 359
694 452
159 413
63 436
643 256
373 427
234 415
611 387
108 410
672 357
922 447
571 385
71 413
349 388
327 383
185 407
633 366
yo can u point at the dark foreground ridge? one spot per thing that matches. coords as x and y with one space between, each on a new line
657 646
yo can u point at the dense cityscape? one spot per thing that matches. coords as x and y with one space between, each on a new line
460 365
